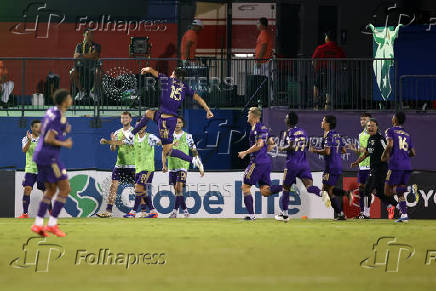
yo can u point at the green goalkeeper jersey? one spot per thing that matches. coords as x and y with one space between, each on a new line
363 143
126 152
30 164
144 152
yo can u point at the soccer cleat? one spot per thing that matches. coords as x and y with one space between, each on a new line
104 214
141 214
24 215
131 214
173 214
403 219
40 230
391 212
186 214
281 217
153 214
363 216
326 199
340 216
249 218
198 164
55 230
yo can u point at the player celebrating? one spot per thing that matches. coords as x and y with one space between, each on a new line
364 165
296 164
29 143
376 144
124 169
143 144
178 168
173 93
50 169
259 169
332 149
398 152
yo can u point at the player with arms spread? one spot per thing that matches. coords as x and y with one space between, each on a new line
173 93
296 164
259 169
398 152
51 170
178 168
332 149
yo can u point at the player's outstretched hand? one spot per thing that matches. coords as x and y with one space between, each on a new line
209 114
103 141
69 143
242 155
354 164
29 135
146 70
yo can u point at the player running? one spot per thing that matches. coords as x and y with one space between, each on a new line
398 152
178 168
259 169
332 149
173 93
364 165
297 165
143 144
29 143
378 169
124 170
51 170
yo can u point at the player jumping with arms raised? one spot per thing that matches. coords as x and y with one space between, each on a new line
173 93
398 152
50 168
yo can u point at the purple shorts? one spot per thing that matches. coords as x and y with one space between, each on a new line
143 178
125 175
179 176
330 179
52 173
257 174
30 180
398 177
290 174
362 176
166 129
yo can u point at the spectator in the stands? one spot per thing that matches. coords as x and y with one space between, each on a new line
190 41
6 85
263 52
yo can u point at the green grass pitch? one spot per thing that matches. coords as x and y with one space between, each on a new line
221 254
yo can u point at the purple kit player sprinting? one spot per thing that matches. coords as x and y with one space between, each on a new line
297 165
332 149
398 152
259 169
50 169
173 93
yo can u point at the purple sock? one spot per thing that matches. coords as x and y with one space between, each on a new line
140 125
248 201
177 203
276 189
143 206
138 198
183 202
57 207
285 202
109 207
26 202
314 190
181 155
403 207
148 201
43 206
336 204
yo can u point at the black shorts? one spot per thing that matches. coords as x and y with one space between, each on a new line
376 180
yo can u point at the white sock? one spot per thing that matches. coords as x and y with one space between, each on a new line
366 211
39 221
52 221
285 212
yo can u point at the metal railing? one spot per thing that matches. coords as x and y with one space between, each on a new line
114 84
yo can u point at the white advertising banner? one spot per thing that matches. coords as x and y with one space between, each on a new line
216 195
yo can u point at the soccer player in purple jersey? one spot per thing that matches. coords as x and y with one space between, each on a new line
297 165
398 152
259 169
173 93
50 168
332 149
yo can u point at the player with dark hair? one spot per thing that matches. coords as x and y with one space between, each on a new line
178 168
332 149
259 169
124 170
173 93
364 165
29 143
51 170
143 144
398 152
297 165
376 144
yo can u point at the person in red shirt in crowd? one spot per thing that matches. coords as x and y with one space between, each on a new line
263 51
190 41
325 70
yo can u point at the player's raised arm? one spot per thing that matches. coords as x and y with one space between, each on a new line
26 142
203 104
149 70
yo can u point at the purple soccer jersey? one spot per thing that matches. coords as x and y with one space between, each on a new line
333 162
173 93
399 158
46 154
259 132
297 157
